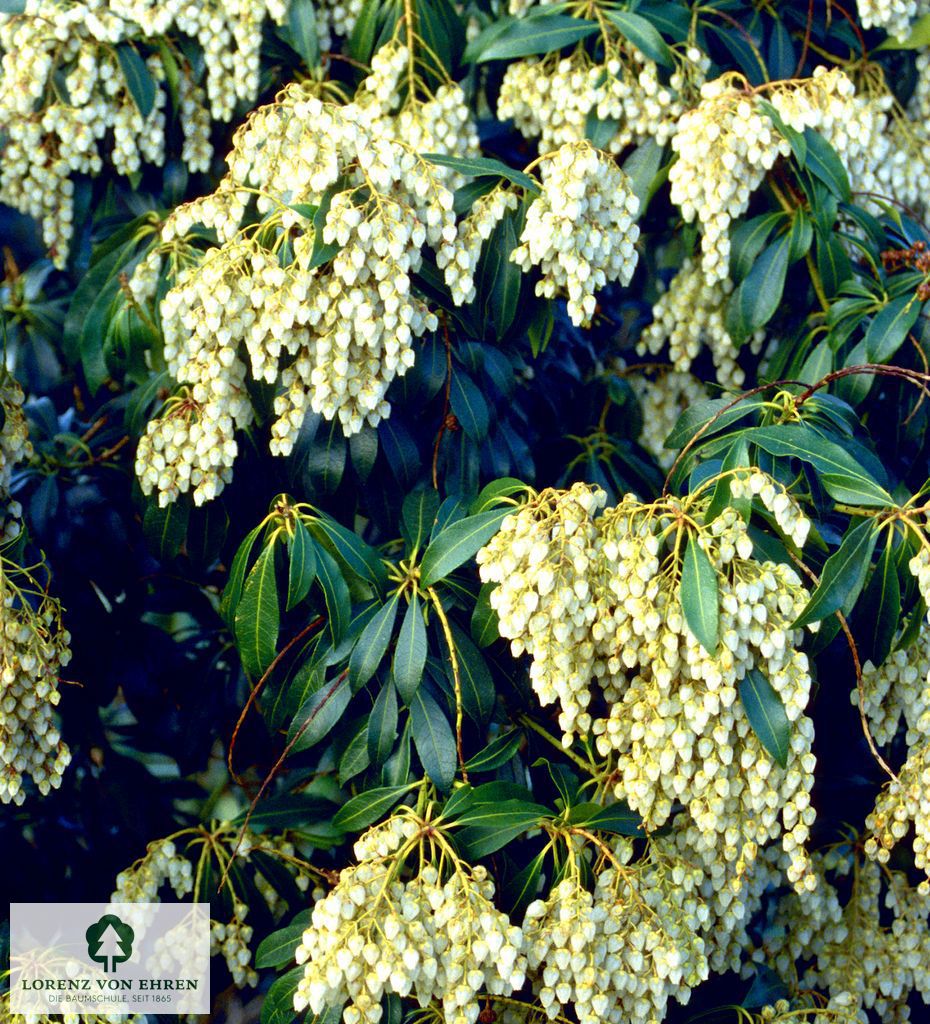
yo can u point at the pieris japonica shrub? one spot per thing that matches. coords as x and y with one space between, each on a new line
465 503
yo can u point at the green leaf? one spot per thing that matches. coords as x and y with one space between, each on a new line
833 263
410 652
525 37
643 35
483 167
749 238
643 168
700 602
257 618
301 31
277 949
301 566
418 515
701 413
498 752
139 79
166 528
478 690
485 627
382 724
766 714
754 302
457 543
843 574
355 757
278 1005
232 592
889 328
823 162
485 828
470 407
493 494
617 818
368 807
798 440
522 889
360 557
319 714
881 608
372 645
335 593
433 738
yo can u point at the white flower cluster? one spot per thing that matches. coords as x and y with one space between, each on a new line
897 694
282 849
162 863
727 144
458 259
328 311
896 17
34 647
56 129
689 316
581 230
598 599
375 933
870 953
231 939
620 953
663 397
551 98
15 447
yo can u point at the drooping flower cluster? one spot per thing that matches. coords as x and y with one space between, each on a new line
34 647
728 143
580 231
320 290
15 447
869 952
896 694
894 16
598 599
663 397
426 936
63 90
689 316
621 952
552 98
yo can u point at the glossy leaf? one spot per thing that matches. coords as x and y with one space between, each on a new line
766 714
700 600
257 615
410 652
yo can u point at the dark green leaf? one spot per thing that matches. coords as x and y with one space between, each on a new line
889 328
417 516
433 738
410 652
319 714
335 592
165 528
372 645
278 1004
382 724
139 79
754 302
643 35
257 615
881 609
483 167
766 714
617 818
700 602
498 752
843 574
484 621
278 948
301 565
457 543
824 164
525 37
368 807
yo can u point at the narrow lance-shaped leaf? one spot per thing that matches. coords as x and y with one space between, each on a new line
766 714
843 574
301 565
382 724
432 736
700 603
457 543
410 652
257 615
881 608
372 644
